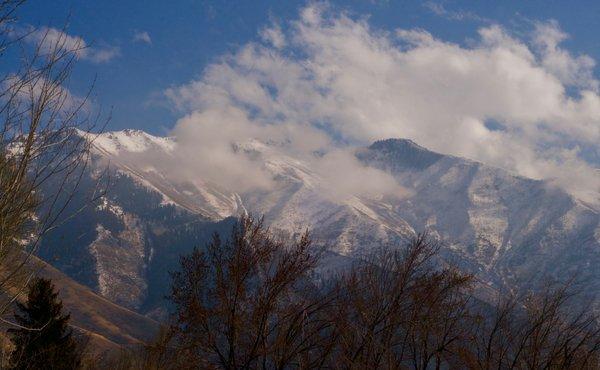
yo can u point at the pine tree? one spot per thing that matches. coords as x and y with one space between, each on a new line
44 340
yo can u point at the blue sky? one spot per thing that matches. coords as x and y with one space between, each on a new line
187 35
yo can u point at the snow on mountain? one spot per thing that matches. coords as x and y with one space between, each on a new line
198 197
132 141
511 231
517 230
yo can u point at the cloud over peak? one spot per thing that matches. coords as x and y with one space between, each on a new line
329 82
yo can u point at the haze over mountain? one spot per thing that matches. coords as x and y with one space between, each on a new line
511 231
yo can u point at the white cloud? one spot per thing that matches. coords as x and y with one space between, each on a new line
578 71
335 82
440 10
142 36
50 39
33 88
102 55
274 36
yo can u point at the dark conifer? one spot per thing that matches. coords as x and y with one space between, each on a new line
43 340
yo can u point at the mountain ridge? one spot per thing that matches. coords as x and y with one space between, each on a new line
496 224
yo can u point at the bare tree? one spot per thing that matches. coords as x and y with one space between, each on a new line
160 354
44 138
399 309
246 302
538 331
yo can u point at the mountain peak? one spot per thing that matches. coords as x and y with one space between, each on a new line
395 142
130 140
133 132
399 154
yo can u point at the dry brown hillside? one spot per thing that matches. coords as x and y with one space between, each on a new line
108 325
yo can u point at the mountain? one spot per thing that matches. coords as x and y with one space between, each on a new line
512 232
518 231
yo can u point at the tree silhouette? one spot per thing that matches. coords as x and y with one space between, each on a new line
244 303
43 340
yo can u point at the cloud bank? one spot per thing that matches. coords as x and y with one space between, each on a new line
332 82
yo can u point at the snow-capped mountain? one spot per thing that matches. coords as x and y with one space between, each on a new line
509 230
199 198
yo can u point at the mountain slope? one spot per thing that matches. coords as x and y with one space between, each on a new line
125 245
108 324
511 231
516 229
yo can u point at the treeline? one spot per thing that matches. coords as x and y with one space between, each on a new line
256 301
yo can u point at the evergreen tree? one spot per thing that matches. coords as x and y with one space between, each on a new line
44 340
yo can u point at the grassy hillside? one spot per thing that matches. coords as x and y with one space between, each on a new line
107 324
